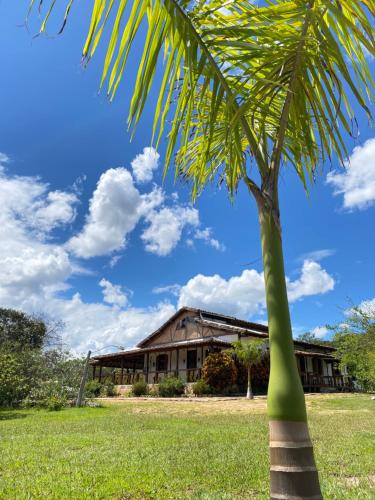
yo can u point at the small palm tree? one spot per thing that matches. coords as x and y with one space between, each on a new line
249 353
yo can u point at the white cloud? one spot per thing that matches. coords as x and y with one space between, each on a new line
58 209
28 199
206 236
314 280
114 212
320 332
28 264
144 164
166 226
238 296
368 306
318 255
357 182
3 160
113 294
94 325
244 295
172 289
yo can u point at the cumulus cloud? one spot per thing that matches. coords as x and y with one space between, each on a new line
313 280
206 236
113 294
114 212
29 200
166 226
237 296
144 164
244 295
58 209
320 332
357 182
29 264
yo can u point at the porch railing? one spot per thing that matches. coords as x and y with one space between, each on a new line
341 382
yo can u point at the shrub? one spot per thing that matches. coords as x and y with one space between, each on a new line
13 383
139 388
49 394
219 371
93 389
201 387
108 389
55 403
230 390
153 391
171 386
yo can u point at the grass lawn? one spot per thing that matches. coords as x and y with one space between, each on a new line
177 449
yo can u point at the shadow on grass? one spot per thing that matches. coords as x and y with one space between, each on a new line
11 415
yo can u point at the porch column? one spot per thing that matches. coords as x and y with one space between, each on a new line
93 372
122 372
147 365
177 360
170 361
100 373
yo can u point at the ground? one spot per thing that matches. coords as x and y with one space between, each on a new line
155 449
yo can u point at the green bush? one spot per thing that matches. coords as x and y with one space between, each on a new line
93 389
171 386
13 383
201 387
55 403
49 394
108 389
139 388
219 371
230 390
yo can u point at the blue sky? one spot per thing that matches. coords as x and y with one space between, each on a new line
111 250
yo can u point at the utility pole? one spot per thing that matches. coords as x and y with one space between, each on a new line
81 391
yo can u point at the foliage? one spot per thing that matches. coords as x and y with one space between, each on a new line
219 371
171 386
355 343
13 382
93 389
312 339
200 388
21 331
249 352
33 376
139 388
273 87
107 389
167 449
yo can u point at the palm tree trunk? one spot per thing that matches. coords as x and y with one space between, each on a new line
249 394
293 471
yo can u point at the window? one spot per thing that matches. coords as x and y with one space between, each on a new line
181 324
162 363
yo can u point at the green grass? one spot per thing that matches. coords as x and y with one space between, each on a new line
182 449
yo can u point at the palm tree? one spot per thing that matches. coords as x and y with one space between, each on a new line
247 90
249 353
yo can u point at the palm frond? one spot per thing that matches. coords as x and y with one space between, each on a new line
245 84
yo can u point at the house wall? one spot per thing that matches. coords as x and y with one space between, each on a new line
190 331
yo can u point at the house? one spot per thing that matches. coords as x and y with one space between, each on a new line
180 346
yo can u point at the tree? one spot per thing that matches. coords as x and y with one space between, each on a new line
252 88
219 371
355 343
312 339
249 353
21 331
